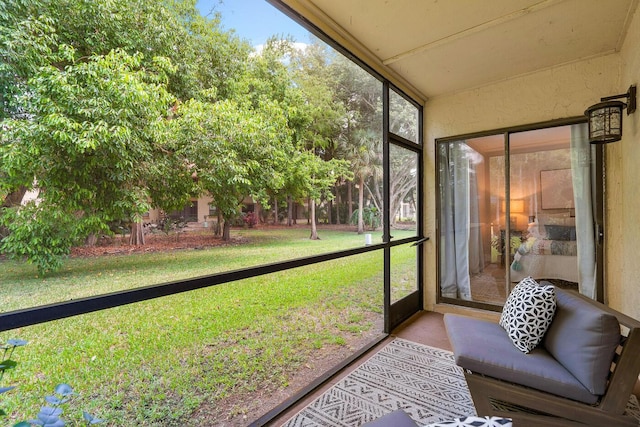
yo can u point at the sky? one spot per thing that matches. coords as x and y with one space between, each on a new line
254 20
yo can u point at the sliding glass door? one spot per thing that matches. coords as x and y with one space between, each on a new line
517 203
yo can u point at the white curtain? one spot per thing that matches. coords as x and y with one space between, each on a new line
461 238
581 172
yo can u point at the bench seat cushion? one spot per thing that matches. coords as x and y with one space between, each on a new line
484 347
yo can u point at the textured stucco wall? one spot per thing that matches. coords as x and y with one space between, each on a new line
622 195
556 93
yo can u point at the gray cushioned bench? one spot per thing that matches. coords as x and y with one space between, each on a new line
569 376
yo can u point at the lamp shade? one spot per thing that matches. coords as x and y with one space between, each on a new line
515 206
605 122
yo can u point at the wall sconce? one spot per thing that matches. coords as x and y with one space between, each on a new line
605 118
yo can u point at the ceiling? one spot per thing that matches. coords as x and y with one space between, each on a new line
445 46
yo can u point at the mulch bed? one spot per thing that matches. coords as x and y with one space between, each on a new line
154 243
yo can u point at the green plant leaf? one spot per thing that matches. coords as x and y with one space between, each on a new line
7 364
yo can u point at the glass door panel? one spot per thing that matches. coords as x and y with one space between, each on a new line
551 175
515 205
404 271
403 192
404 287
471 178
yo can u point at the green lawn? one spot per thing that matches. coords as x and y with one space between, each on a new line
154 363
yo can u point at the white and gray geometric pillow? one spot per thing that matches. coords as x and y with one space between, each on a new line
473 421
527 313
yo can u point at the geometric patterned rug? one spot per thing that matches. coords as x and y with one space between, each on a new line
423 381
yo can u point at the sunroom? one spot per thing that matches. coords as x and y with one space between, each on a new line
496 92
505 87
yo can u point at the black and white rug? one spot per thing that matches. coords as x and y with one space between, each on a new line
423 381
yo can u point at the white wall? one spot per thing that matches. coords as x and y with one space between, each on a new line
556 93
622 195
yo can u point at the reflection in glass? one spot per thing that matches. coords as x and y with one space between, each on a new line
497 229
463 234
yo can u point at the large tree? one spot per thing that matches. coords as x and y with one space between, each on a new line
361 138
93 130
314 74
234 150
86 89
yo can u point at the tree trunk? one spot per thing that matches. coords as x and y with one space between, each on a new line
275 211
289 211
226 230
337 205
312 215
137 234
218 222
14 198
361 205
349 200
295 213
257 212
91 240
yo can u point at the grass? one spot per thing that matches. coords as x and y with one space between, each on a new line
154 363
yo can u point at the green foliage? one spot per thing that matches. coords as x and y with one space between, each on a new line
39 235
107 118
94 127
49 416
370 216
235 149
6 362
84 111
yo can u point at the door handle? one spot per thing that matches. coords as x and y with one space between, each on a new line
419 242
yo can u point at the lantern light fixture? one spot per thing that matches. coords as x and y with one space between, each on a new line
605 118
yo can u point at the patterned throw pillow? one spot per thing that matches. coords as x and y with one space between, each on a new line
528 312
474 422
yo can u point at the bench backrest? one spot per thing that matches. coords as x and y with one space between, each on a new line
583 337
621 364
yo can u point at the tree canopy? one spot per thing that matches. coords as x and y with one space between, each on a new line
109 109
